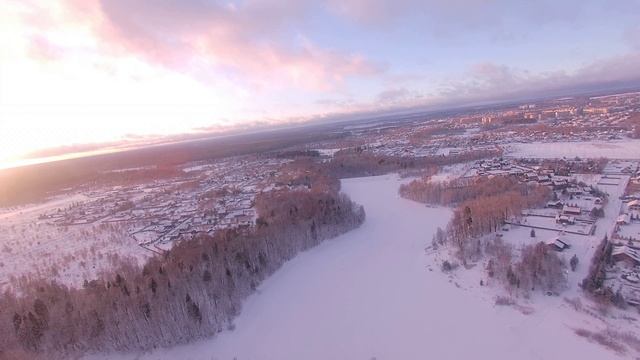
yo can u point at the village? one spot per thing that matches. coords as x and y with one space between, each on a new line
77 235
207 198
599 200
143 218
623 274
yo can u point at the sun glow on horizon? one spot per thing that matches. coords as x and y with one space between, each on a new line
89 97
86 99
62 85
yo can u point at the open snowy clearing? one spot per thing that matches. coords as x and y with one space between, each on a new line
30 247
613 149
375 293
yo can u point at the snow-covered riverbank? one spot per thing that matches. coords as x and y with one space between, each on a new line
374 293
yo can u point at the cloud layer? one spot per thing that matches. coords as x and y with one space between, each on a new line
263 44
166 66
256 42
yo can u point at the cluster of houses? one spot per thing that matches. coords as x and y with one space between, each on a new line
626 254
627 234
568 214
401 144
625 251
634 205
499 167
563 185
526 173
111 204
625 276
207 198
632 213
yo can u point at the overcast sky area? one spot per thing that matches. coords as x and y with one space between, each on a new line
77 72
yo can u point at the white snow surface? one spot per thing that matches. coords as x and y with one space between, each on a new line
375 293
612 149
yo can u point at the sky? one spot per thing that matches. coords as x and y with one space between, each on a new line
80 74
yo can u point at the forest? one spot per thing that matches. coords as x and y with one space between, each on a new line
538 268
193 291
487 213
357 162
482 205
462 189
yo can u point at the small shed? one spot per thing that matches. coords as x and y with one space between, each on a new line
571 210
565 219
557 244
555 204
622 219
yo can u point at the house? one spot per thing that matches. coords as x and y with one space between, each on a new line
545 182
557 244
565 219
574 191
626 255
555 204
623 219
543 178
243 220
571 210
560 184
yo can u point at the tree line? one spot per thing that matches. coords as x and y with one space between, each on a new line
483 205
486 214
538 268
358 162
458 190
594 284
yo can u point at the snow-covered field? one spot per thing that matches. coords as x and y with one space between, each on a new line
450 172
614 149
375 293
29 247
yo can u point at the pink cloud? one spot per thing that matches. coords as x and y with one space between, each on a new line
254 43
41 49
308 66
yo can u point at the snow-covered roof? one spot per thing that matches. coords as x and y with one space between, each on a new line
623 218
626 250
571 209
557 242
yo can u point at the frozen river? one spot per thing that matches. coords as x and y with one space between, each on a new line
369 294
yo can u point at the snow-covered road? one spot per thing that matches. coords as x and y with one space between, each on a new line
369 294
